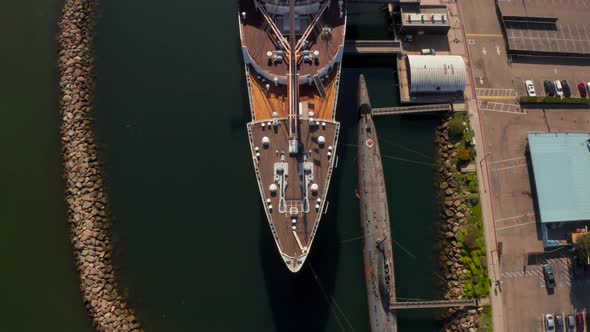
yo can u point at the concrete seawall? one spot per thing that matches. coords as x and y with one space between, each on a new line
86 201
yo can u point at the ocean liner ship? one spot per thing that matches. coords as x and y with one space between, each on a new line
292 53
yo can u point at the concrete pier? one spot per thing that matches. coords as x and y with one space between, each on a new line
377 244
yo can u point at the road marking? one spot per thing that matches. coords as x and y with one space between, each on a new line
511 159
498 49
500 107
484 51
493 92
522 215
482 35
495 98
508 167
505 227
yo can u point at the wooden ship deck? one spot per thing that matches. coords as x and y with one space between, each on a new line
293 182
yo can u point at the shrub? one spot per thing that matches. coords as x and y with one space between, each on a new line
482 288
464 155
466 260
472 186
554 100
456 127
468 290
474 198
468 136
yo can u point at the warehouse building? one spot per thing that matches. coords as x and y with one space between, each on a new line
436 75
561 169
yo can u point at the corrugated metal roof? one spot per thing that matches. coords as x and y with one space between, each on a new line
561 167
437 73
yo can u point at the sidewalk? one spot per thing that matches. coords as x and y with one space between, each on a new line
458 46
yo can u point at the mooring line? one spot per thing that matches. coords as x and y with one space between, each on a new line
328 299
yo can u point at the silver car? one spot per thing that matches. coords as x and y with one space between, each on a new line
549 323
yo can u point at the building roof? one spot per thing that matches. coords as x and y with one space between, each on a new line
561 167
436 73
425 16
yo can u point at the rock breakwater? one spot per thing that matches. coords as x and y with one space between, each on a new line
87 203
454 213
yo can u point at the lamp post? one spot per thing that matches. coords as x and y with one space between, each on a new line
481 167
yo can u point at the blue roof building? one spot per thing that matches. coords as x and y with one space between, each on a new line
561 167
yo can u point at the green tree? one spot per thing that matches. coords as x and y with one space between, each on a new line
456 127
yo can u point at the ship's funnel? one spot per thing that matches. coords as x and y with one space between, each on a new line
364 103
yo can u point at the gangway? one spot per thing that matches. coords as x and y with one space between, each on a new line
397 305
413 109
319 85
372 47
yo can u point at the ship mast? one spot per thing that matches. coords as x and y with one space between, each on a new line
293 84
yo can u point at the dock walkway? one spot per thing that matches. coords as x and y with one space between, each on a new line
372 47
413 109
438 304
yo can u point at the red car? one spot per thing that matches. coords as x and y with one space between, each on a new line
582 89
579 321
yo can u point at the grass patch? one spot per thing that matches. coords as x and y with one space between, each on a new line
485 320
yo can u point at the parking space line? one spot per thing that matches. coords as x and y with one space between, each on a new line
495 98
514 217
511 226
504 160
508 167
482 35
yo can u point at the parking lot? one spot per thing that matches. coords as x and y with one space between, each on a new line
499 82
533 69
559 27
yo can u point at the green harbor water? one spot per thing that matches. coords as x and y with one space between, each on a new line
38 283
193 248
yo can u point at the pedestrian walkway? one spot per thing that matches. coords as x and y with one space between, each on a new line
492 106
495 93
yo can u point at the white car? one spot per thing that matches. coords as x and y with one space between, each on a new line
558 88
530 88
549 323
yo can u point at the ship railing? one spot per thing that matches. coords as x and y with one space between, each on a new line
260 188
328 178
247 71
341 53
249 86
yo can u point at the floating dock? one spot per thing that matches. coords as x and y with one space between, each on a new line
377 244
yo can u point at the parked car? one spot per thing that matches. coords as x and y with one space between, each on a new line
550 88
549 276
579 321
549 323
558 88
566 88
582 89
571 323
530 88
559 322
